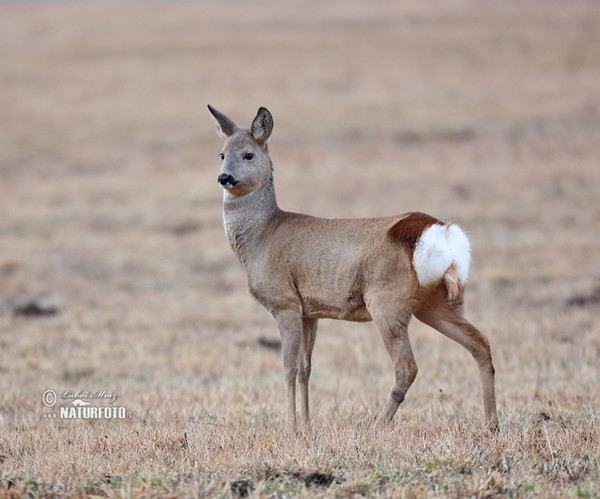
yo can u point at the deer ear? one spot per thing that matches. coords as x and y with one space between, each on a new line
225 126
262 126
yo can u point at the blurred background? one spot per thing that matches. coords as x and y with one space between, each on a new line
114 269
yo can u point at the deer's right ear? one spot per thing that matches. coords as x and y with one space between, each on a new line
225 127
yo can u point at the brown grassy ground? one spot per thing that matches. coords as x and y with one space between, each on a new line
484 113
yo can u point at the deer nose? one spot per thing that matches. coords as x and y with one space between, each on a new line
225 179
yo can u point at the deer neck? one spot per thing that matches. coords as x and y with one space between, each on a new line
246 218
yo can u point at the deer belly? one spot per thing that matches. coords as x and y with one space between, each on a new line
350 307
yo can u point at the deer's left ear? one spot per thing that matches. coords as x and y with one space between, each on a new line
224 125
262 126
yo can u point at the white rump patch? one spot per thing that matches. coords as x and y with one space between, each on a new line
438 247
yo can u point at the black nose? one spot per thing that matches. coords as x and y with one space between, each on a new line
225 179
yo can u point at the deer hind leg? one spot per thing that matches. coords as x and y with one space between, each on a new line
393 329
290 327
448 319
309 334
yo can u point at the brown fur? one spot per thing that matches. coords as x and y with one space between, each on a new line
453 285
408 230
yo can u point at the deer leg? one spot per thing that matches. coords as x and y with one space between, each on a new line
449 321
290 328
393 330
309 334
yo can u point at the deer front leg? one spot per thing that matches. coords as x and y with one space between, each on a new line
309 334
289 323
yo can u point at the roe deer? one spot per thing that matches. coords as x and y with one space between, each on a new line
303 268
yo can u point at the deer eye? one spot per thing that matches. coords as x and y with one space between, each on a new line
248 156
222 156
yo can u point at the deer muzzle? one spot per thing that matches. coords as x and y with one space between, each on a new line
226 180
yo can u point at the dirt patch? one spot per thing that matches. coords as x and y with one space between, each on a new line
585 300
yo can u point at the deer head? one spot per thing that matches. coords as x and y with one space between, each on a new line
246 162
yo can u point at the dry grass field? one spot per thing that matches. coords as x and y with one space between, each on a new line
115 273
